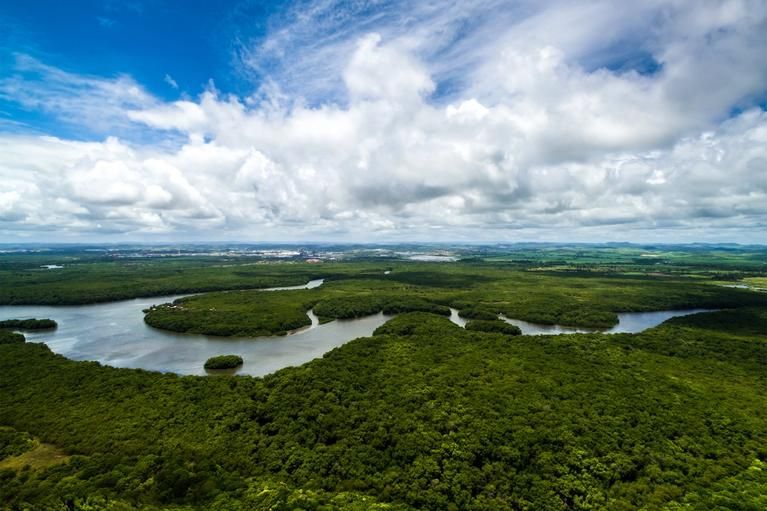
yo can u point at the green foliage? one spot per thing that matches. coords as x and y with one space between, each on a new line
29 324
398 305
480 314
518 289
254 313
276 496
7 337
494 326
223 362
748 322
235 313
347 307
746 491
423 415
590 301
436 277
83 282
354 306
13 443
716 336
415 323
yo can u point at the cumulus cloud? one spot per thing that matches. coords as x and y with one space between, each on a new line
547 138
385 72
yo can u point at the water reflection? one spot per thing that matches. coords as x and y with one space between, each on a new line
455 318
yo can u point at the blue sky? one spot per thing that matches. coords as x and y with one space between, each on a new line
157 43
176 49
487 120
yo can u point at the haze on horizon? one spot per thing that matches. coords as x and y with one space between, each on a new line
330 120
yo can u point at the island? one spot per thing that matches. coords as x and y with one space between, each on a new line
29 324
223 362
408 411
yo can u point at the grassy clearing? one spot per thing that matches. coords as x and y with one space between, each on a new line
756 282
40 456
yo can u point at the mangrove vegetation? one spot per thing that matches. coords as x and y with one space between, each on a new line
423 414
28 324
223 362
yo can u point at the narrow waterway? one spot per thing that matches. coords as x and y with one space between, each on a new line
628 322
115 334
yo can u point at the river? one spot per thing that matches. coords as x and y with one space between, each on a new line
628 322
115 334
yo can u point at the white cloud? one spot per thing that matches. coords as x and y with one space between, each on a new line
539 144
182 115
385 72
92 103
170 81
105 22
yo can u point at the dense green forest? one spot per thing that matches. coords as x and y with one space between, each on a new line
7 337
494 326
223 362
28 324
13 443
109 281
479 292
119 273
423 415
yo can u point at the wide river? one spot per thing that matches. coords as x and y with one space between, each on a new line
115 334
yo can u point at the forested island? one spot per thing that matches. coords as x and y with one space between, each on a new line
223 362
423 414
28 324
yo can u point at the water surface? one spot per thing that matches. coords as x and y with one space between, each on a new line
115 334
628 322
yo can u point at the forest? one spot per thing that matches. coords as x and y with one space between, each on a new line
223 362
423 415
478 292
28 324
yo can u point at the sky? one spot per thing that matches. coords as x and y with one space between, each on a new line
383 121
